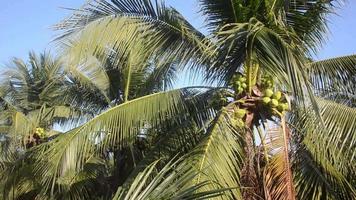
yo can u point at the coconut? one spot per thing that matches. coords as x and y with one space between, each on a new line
280 108
274 103
266 100
242 79
285 106
268 92
244 85
277 95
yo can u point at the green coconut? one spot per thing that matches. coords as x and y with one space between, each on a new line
285 106
244 85
266 100
242 79
268 93
280 108
274 103
40 132
277 95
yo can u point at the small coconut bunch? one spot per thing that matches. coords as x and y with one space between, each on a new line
238 119
239 83
40 132
267 82
276 100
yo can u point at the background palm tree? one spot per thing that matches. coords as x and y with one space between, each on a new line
31 94
236 137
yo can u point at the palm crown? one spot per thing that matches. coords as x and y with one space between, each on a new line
274 127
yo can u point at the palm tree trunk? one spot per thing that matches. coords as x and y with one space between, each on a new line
249 180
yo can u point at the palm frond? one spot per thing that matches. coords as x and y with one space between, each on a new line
21 182
82 185
332 146
309 19
120 25
220 13
173 181
220 156
116 127
277 174
337 138
29 85
160 78
314 182
182 134
91 74
335 75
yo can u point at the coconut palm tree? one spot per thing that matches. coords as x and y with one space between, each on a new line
31 95
31 104
279 125
91 89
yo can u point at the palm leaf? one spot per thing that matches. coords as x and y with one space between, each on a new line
337 138
331 147
313 182
91 74
309 19
120 25
117 126
220 13
277 174
219 156
173 181
335 75
180 135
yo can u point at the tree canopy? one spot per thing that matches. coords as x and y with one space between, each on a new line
102 120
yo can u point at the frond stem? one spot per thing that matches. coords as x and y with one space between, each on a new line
290 190
127 85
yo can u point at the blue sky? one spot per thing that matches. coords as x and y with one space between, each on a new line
26 25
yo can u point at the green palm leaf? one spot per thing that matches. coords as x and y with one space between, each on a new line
91 74
117 126
119 26
337 138
219 157
173 181
331 146
335 75
308 19
182 134
314 182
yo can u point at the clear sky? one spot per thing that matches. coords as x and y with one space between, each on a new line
26 25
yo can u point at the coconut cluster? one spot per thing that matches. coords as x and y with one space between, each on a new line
239 83
40 132
239 114
275 100
267 82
